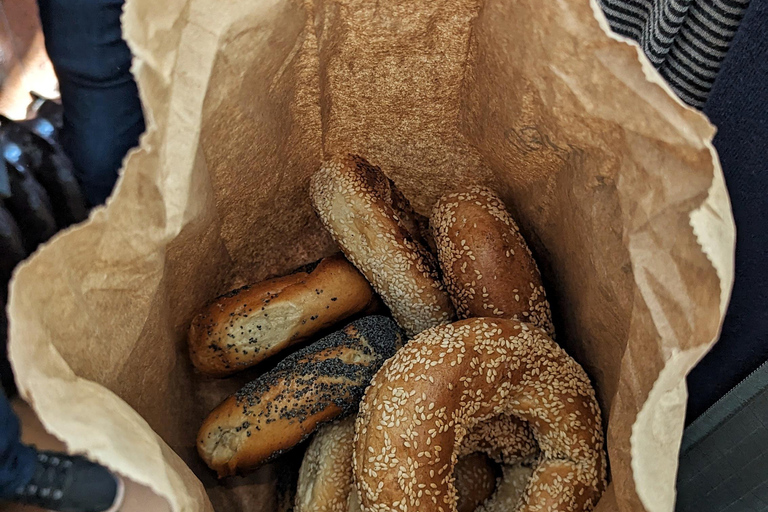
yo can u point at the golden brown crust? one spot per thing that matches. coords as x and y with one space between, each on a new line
487 267
368 218
308 388
246 326
233 439
445 381
325 477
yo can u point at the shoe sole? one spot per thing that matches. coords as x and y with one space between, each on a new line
119 496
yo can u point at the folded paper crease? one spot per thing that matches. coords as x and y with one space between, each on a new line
613 180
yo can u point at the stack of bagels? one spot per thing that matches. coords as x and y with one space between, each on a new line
457 400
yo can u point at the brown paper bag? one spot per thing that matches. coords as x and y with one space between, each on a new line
615 183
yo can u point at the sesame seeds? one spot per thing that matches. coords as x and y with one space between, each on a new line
365 214
325 479
480 286
511 385
511 489
315 384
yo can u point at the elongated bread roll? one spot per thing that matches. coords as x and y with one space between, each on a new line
246 326
308 388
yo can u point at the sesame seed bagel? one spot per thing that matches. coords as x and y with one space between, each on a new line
378 232
312 386
488 269
326 476
447 380
246 326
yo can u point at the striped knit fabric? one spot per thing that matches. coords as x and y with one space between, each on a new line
685 39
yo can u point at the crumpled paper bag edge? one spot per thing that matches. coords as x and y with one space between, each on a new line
720 261
712 224
33 384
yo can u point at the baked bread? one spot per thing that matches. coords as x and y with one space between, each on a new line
447 380
312 386
248 325
378 232
325 477
487 267
326 482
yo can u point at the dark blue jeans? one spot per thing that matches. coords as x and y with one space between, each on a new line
102 121
17 461
102 112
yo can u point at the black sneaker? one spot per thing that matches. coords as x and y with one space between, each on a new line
71 484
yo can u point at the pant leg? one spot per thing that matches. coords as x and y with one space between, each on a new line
102 112
17 461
